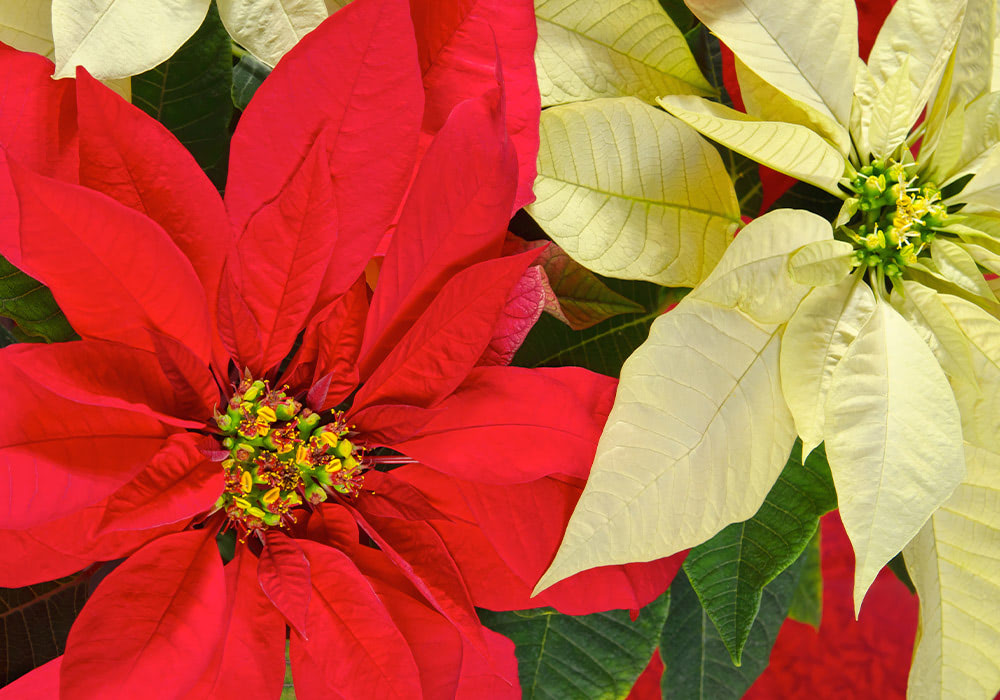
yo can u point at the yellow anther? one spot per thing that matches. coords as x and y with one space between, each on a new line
242 502
267 413
302 456
334 466
246 482
271 496
227 463
328 439
255 512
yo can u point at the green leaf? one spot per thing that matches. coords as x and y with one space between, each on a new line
730 571
248 74
35 621
898 567
698 665
6 338
602 347
807 603
189 94
29 304
680 14
568 657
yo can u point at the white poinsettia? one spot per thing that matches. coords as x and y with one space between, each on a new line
119 38
876 334
624 188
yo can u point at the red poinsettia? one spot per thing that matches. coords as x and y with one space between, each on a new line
237 372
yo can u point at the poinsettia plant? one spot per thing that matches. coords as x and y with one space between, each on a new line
872 333
304 429
248 366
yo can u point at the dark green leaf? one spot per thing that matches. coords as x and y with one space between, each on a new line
804 196
698 664
730 570
226 541
189 94
29 304
807 604
603 347
567 657
248 74
35 621
682 17
898 567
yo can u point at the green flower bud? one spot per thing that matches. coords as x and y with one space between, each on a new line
315 494
343 449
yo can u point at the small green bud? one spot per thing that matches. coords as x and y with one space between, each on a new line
343 449
315 494
253 392
287 409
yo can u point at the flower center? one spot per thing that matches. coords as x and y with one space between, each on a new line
280 455
895 218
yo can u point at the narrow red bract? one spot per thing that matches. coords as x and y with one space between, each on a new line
237 371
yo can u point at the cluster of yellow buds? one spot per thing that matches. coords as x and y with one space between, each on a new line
281 454
896 217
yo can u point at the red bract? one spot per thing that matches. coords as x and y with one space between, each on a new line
236 371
